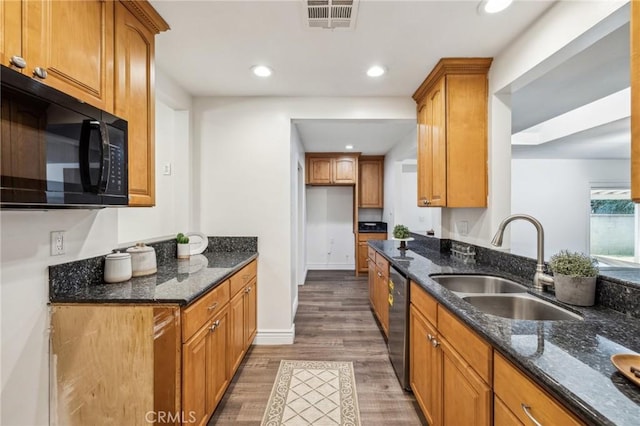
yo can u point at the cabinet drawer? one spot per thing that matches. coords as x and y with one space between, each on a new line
371 254
372 236
426 304
382 264
515 390
475 351
194 316
242 277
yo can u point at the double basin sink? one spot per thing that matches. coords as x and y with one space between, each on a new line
502 297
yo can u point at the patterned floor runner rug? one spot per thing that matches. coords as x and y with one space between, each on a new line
318 393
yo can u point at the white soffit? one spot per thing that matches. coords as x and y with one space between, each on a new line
603 111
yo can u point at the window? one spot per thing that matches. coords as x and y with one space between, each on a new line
614 228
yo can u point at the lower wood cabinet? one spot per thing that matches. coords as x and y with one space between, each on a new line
379 290
448 386
459 379
519 401
142 364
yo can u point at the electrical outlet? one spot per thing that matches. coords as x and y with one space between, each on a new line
57 243
463 227
166 169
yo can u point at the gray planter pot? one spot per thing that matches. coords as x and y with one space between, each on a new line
580 291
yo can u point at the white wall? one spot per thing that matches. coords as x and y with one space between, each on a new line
532 53
330 238
24 258
244 150
298 228
557 193
401 190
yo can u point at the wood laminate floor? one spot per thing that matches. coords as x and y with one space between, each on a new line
333 322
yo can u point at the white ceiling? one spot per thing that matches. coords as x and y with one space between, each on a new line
213 44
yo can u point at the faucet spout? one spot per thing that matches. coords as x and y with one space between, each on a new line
540 278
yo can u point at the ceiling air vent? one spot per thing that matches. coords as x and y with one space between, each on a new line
331 14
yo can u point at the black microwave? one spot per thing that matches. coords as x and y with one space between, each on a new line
57 151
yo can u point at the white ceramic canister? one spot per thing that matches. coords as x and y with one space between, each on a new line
117 267
143 260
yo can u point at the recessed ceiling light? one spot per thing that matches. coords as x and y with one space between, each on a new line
493 6
261 70
376 71
348 147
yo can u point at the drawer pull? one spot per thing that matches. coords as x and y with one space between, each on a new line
435 343
379 275
18 62
526 408
247 290
430 337
215 325
212 307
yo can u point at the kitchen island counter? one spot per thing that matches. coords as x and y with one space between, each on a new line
570 359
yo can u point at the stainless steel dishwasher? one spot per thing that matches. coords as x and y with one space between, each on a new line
399 326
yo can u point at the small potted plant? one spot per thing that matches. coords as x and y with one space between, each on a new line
401 233
574 276
184 248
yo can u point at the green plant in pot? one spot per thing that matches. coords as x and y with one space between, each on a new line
574 276
401 232
184 248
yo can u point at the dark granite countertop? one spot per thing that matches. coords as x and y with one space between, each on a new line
177 281
570 359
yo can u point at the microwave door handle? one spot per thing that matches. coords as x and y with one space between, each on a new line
105 165
88 126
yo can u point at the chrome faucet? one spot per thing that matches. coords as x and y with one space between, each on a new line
540 279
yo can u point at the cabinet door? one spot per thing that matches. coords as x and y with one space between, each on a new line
217 372
236 332
344 170
134 101
10 31
320 171
250 313
382 290
425 360
73 42
362 256
370 183
194 378
424 157
466 399
437 137
502 416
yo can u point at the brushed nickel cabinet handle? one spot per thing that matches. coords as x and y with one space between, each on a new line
426 202
435 343
40 72
212 307
429 337
526 409
247 290
18 62
379 274
215 325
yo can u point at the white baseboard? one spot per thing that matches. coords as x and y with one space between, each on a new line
304 276
275 337
331 266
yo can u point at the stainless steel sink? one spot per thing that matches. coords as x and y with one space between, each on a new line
478 284
520 306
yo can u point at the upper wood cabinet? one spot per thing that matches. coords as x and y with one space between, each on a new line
371 182
635 101
64 44
452 134
331 169
136 25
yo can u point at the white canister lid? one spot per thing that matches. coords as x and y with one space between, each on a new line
118 256
140 248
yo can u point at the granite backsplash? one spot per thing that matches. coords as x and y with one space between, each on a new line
620 292
89 272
